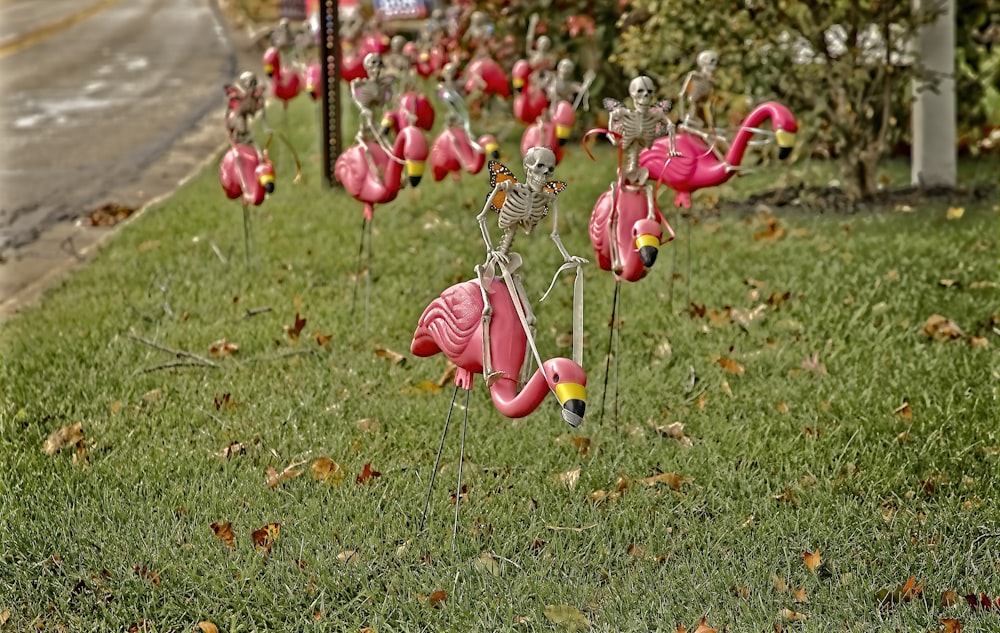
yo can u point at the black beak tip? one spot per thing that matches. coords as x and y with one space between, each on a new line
784 152
269 187
573 411
648 255
414 181
562 141
495 154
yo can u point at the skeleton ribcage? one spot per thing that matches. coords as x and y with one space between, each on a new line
514 212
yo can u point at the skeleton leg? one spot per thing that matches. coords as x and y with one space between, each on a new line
484 273
529 332
616 262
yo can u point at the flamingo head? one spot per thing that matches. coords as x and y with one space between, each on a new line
265 173
647 235
520 73
271 61
786 141
388 123
490 145
785 126
415 153
568 381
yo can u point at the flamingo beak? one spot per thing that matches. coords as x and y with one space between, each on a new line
267 181
493 150
573 398
269 69
415 169
562 134
786 141
649 247
518 84
388 124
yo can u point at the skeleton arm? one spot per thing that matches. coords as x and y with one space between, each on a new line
492 254
555 237
529 40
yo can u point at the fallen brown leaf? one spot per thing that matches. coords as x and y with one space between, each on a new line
812 559
325 469
322 339
941 328
569 478
207 627
293 331
395 357
222 347
147 574
904 411
730 365
793 616
70 435
367 474
437 598
672 480
274 478
265 537
225 533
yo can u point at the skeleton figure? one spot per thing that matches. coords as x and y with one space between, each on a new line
351 25
696 92
539 53
246 99
433 30
369 93
283 37
398 64
449 92
561 86
520 206
479 34
636 129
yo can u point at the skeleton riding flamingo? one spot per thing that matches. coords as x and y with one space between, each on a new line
453 324
285 80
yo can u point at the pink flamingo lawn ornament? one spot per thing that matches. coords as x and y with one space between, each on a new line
247 174
698 164
550 130
312 79
453 324
373 175
285 81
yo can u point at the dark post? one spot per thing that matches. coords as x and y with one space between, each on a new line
329 52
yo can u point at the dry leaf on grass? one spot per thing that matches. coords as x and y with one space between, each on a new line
222 347
942 328
207 627
225 533
567 617
812 559
673 480
395 357
274 478
325 469
437 598
265 537
569 478
147 574
367 474
293 331
69 436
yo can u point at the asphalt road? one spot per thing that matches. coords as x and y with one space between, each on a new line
101 102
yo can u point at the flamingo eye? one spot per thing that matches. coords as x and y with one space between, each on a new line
555 377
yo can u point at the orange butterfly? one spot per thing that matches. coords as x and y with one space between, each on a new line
264 538
501 173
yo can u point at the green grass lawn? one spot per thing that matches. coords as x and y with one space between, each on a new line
817 416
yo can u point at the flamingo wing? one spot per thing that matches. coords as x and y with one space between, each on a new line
449 324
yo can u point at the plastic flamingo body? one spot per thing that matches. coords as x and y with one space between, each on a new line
353 168
529 101
454 152
551 132
351 58
486 76
414 109
428 63
698 167
637 236
244 172
285 82
452 324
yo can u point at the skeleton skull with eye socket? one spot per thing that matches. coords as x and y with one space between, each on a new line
539 164
372 64
708 61
641 90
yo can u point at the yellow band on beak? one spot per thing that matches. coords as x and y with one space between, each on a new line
269 68
490 148
785 138
518 82
562 131
647 240
266 178
567 391
415 167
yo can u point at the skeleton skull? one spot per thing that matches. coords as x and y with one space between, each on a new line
373 65
539 163
397 43
247 81
565 68
543 43
708 61
641 90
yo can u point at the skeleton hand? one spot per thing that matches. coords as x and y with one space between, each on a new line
575 259
495 256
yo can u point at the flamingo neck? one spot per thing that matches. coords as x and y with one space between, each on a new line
464 150
741 141
517 404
